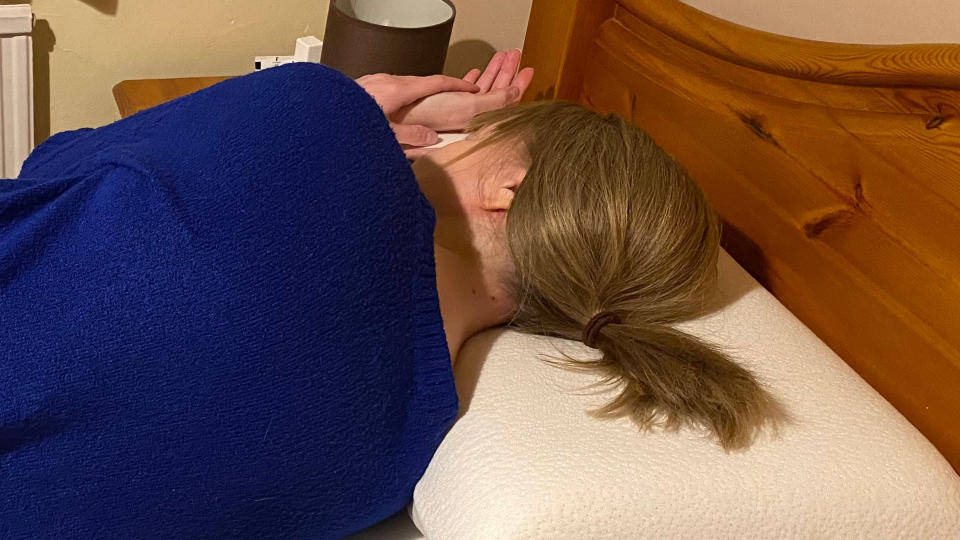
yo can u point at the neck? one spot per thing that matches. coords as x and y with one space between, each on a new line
468 304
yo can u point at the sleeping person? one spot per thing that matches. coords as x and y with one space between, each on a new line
235 314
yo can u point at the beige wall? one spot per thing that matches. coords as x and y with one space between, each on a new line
485 26
84 47
845 21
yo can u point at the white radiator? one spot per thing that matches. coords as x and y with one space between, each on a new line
16 87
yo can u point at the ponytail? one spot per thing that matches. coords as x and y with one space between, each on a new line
670 379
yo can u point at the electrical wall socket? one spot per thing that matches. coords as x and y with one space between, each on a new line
264 62
308 49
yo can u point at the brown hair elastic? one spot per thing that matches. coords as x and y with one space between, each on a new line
598 321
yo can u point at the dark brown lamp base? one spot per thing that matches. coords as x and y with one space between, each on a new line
400 37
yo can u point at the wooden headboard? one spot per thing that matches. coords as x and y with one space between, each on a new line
835 168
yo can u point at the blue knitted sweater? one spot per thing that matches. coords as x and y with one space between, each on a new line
219 318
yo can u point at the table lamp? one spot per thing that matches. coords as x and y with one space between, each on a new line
399 37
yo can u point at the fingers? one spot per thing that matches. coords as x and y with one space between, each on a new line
507 70
472 76
414 135
523 79
490 74
421 87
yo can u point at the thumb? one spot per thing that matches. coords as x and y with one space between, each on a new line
415 135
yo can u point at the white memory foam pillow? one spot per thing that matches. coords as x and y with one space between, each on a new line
524 461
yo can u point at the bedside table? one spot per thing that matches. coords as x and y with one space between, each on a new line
134 96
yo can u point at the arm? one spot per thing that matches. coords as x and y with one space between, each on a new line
499 85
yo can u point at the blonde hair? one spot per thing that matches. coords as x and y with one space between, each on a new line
606 221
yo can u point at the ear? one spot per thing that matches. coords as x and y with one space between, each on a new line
505 188
500 201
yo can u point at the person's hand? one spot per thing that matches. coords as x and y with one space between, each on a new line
393 92
500 85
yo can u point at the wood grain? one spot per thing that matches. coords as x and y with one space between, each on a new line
133 96
869 65
836 170
552 45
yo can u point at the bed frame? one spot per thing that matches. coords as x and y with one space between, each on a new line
835 168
